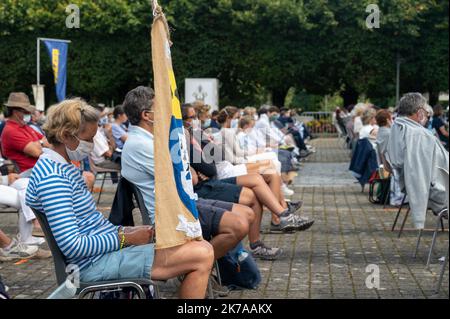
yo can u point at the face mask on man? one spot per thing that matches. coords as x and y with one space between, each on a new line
82 151
27 118
234 123
423 119
273 117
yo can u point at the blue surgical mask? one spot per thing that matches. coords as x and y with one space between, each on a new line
207 123
103 120
234 123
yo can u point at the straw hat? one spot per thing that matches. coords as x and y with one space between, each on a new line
20 100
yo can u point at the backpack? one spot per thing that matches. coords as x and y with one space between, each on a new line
238 269
380 190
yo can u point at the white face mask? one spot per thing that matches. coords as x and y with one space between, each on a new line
423 119
83 150
27 118
255 117
234 123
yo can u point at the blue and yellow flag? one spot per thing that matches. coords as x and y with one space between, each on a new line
176 216
58 57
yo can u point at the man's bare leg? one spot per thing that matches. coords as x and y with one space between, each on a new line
232 229
248 198
193 259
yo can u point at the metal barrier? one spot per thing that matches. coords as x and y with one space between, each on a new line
320 124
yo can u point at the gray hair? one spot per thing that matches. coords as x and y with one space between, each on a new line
137 101
410 104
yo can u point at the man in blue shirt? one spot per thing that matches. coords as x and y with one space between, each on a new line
224 224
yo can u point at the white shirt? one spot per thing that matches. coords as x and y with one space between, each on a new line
366 132
358 124
101 146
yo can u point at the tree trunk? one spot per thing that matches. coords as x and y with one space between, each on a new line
349 95
434 97
279 96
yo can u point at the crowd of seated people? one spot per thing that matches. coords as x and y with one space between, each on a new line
225 173
239 169
411 143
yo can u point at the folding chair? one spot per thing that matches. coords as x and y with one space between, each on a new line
445 176
86 288
441 216
99 170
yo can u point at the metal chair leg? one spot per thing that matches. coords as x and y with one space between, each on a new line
433 242
93 185
441 276
219 278
398 213
387 199
210 290
404 222
418 243
101 188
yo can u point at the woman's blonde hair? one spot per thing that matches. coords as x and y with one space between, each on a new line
201 108
250 110
68 117
368 115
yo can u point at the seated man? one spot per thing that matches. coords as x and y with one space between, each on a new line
20 143
416 154
224 225
87 239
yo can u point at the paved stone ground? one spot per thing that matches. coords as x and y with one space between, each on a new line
327 261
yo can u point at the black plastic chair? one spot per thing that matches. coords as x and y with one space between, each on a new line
145 214
138 284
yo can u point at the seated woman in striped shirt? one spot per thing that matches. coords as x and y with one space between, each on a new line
84 236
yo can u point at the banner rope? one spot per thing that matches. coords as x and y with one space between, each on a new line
158 13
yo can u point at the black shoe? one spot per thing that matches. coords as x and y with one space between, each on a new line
303 223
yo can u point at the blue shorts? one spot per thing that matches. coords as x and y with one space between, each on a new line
129 263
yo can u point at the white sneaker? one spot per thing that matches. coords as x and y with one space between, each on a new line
34 241
18 250
287 191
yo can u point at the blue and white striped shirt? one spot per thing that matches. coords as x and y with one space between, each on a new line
57 189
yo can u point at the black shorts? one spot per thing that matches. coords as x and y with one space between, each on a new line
224 190
210 214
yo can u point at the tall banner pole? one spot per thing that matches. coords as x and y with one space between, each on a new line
176 216
38 61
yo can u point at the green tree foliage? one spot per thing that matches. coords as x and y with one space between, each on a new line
255 47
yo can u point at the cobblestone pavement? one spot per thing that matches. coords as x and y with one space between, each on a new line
327 261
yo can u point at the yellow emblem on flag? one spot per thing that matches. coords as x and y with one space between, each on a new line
55 63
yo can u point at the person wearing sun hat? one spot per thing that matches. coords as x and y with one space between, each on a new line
20 143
